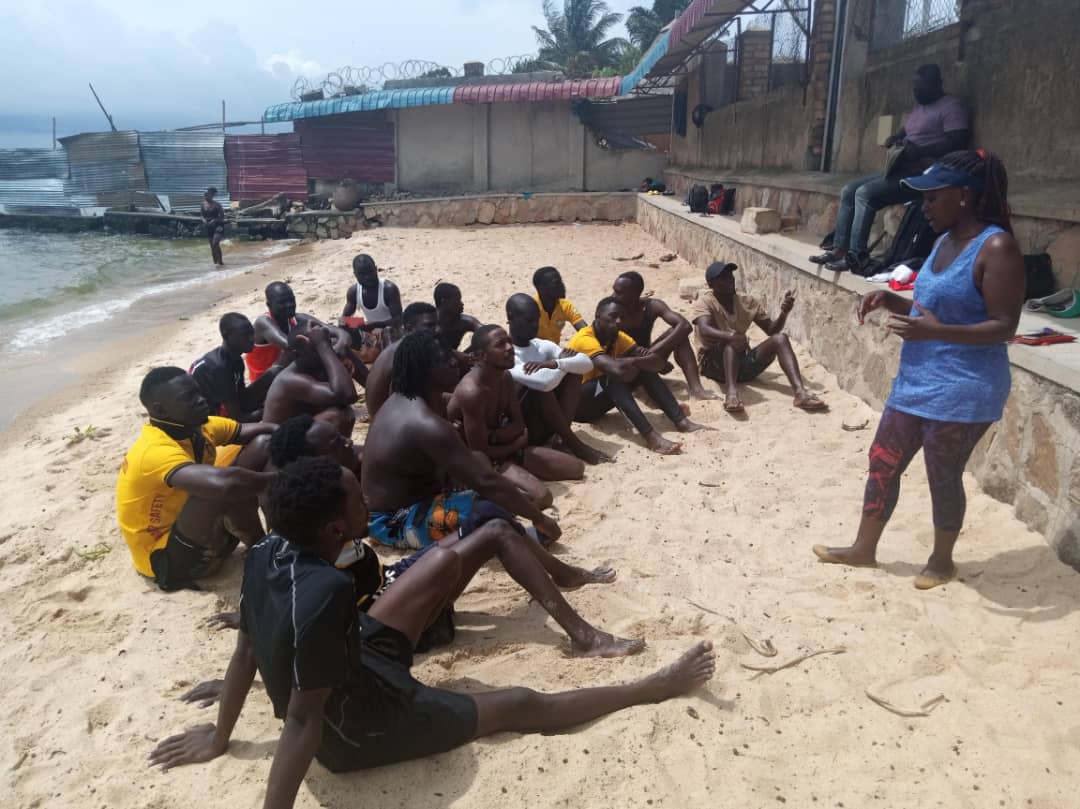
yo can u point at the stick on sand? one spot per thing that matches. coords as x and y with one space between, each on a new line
923 710
793 662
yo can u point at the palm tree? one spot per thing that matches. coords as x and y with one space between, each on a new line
645 24
576 37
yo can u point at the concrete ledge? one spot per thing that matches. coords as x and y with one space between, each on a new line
505 209
1030 459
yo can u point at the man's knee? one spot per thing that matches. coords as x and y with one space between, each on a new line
443 563
848 192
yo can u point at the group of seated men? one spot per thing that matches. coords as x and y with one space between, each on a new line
452 471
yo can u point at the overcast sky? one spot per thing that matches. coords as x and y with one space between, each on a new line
163 65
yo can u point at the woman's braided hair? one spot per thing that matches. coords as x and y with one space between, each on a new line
992 204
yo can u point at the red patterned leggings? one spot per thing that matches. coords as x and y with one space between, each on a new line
946 447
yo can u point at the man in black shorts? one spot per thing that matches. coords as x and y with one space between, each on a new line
340 679
220 372
186 493
722 318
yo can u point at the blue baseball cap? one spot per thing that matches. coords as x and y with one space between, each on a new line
940 176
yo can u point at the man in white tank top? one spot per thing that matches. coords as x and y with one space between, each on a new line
378 302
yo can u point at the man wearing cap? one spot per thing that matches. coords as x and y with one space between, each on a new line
721 319
213 216
939 123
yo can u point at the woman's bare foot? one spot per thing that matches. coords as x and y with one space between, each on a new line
604 644
935 574
695 668
578 577
657 443
851 556
687 426
701 392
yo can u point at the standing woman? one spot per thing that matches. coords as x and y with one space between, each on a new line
213 216
954 368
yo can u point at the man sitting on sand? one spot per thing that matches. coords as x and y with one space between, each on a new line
416 317
377 302
340 679
722 319
182 503
453 324
315 381
555 310
272 335
486 405
639 317
549 380
220 372
620 366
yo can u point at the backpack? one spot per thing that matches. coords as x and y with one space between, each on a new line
913 241
698 199
1040 276
727 201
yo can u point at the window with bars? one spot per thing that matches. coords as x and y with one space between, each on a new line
897 21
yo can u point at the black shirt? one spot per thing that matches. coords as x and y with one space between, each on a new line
221 379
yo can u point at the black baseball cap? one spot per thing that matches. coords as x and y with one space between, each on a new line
718 268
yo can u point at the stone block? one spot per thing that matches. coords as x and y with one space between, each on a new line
1042 460
1065 254
485 213
760 220
689 289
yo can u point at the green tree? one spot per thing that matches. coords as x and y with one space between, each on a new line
576 37
645 24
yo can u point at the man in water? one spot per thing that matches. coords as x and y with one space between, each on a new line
417 316
377 302
181 505
213 216
272 335
220 372
315 381
639 317
620 366
555 310
452 322
549 380
340 679
722 319
486 405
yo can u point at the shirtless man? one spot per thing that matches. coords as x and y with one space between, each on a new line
272 335
555 310
318 658
315 381
186 493
416 317
486 405
220 372
378 302
639 317
452 322
549 380
722 319
620 366
213 216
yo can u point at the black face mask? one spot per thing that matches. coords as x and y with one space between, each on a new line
927 96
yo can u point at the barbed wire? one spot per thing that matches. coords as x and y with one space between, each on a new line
351 80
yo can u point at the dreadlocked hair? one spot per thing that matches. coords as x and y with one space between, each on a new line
992 204
289 441
305 496
416 354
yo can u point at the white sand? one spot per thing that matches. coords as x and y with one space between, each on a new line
95 657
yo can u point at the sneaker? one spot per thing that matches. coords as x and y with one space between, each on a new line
840 265
827 257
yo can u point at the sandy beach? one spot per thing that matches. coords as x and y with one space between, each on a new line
713 544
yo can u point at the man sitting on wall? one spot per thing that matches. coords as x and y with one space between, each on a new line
938 124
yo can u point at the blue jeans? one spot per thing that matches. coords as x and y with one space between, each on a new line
859 201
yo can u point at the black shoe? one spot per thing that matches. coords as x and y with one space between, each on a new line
827 257
840 265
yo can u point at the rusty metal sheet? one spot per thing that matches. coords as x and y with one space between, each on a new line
537 91
260 166
357 146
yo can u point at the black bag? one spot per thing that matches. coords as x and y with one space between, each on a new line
914 239
727 206
698 199
1040 276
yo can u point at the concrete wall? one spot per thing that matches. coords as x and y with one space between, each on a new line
515 147
1031 458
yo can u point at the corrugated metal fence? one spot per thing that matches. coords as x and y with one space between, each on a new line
106 166
262 165
182 165
357 146
32 181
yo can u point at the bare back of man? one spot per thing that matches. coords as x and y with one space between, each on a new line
315 381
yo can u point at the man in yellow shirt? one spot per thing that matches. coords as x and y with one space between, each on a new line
555 310
181 507
620 365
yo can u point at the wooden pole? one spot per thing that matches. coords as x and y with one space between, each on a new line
223 116
54 132
106 112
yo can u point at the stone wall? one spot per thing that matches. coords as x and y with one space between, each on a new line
1031 459
504 209
323 224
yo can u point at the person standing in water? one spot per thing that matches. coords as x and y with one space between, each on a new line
213 216
954 367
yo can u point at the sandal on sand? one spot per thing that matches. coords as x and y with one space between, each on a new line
735 406
925 582
825 555
811 405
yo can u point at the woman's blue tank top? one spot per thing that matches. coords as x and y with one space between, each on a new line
949 381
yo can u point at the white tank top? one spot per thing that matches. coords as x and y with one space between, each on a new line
381 311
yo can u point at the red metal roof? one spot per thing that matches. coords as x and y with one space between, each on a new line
537 91
260 166
356 145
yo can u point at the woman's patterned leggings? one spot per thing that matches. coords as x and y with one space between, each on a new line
946 447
